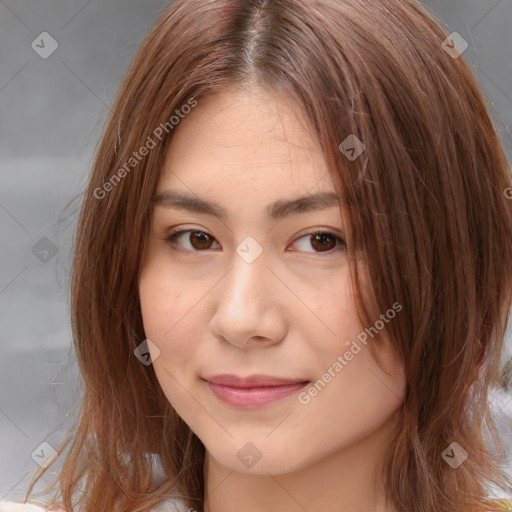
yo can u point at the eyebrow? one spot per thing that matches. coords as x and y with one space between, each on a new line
276 210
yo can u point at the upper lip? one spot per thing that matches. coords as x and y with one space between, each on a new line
251 381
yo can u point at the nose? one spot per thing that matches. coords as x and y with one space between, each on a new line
250 305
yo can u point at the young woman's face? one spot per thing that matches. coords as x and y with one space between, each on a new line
247 289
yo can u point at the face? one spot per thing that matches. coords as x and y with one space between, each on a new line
243 280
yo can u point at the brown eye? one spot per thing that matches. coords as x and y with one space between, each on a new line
321 241
198 240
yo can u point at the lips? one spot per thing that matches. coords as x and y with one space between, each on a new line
252 381
253 391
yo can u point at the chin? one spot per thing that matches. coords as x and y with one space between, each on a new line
257 459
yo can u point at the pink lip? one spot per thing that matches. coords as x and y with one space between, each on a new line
254 391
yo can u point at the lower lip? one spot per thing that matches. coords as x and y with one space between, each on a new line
256 396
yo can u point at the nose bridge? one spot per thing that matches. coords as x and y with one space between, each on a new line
244 282
246 303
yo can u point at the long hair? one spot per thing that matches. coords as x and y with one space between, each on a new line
428 210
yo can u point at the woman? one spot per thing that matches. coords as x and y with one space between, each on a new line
293 269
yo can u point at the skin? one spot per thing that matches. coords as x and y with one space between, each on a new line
289 313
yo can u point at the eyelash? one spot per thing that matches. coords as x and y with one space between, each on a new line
173 235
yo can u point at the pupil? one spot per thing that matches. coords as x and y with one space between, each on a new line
204 236
321 238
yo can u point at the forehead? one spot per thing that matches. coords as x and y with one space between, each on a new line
249 140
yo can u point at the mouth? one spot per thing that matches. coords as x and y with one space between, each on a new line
253 391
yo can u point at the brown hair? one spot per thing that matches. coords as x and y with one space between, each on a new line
427 208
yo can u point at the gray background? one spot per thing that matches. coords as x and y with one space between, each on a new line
52 112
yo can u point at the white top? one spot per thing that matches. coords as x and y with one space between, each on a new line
10 506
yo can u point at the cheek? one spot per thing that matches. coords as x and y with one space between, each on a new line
357 401
170 310
336 318
364 394
160 293
162 309
156 302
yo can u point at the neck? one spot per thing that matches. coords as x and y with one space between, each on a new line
346 480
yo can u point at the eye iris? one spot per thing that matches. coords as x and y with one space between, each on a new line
203 236
321 239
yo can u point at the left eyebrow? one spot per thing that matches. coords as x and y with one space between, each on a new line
277 210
